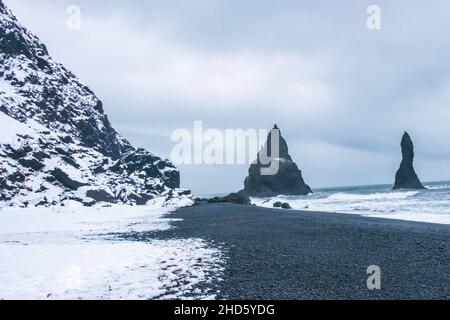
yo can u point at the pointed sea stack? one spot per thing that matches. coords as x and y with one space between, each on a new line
287 180
406 177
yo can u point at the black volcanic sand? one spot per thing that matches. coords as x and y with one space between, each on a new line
275 254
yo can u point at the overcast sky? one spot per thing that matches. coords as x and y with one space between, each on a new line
342 94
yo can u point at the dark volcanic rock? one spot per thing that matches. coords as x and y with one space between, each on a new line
31 164
140 200
236 198
287 180
65 180
286 206
406 177
100 196
278 204
140 160
282 205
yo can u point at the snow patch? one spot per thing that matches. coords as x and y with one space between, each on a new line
73 252
10 128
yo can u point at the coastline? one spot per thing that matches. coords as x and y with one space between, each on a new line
430 205
284 255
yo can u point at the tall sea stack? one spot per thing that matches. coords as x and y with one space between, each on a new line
406 177
287 180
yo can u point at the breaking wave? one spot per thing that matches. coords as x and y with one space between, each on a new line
373 196
430 205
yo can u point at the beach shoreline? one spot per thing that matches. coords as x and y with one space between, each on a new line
285 255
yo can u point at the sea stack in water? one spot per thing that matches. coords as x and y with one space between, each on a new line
406 177
286 179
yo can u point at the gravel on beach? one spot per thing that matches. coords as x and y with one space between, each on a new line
276 254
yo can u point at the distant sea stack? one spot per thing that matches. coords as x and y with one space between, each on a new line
406 177
287 181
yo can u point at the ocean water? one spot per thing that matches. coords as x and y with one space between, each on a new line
431 205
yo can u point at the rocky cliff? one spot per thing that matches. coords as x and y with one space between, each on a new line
56 142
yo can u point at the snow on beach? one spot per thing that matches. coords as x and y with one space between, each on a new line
65 253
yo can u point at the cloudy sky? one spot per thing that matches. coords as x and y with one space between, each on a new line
342 94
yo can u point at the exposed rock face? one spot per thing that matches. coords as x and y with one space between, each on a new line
282 205
288 178
236 198
56 142
406 177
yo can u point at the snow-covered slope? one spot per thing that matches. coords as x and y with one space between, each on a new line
68 253
56 142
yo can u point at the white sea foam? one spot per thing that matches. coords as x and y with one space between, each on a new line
431 205
373 196
438 186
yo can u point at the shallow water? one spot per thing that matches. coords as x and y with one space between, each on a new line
430 205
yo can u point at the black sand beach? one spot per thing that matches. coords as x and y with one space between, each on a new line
276 254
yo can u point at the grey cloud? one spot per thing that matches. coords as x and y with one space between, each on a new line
342 94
